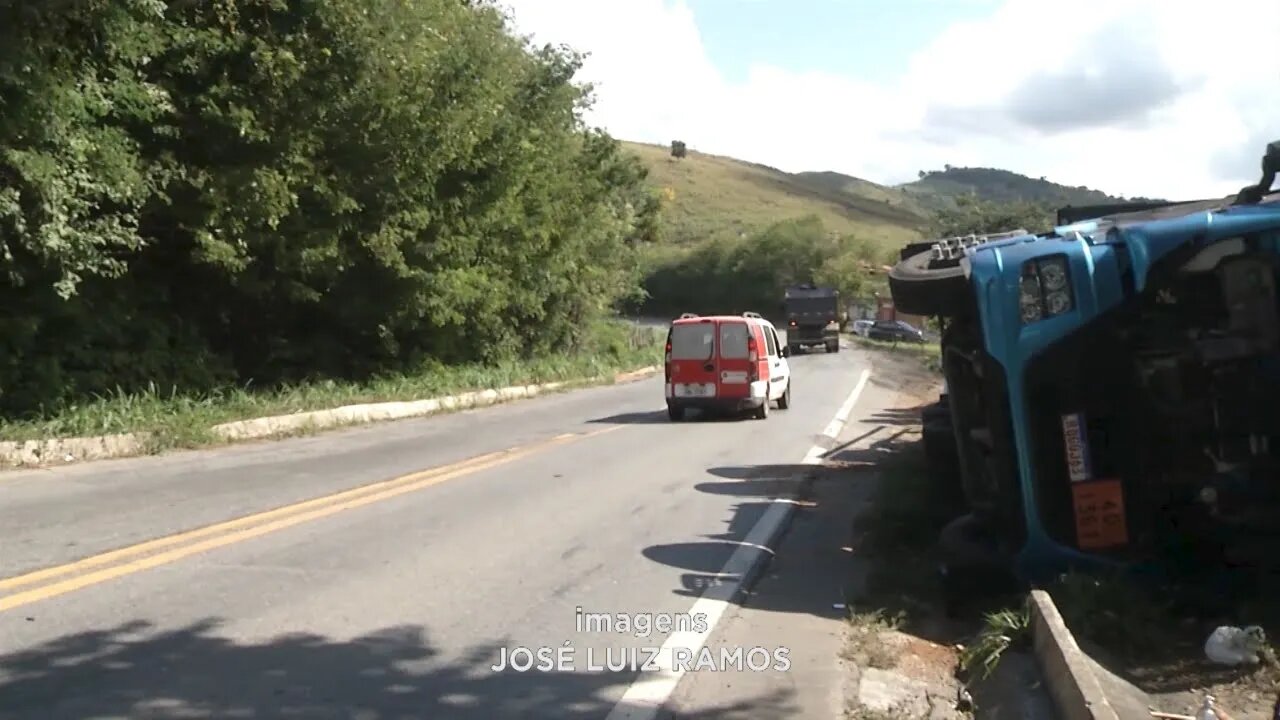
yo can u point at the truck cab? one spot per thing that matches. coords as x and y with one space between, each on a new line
1113 383
813 317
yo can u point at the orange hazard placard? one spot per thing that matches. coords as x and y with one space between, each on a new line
1099 506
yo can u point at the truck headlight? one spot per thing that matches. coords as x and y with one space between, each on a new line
1044 289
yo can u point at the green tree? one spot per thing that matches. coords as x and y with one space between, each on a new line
197 193
972 215
731 274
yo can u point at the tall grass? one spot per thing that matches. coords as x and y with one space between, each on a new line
176 418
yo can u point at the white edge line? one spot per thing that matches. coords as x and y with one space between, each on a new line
644 699
842 415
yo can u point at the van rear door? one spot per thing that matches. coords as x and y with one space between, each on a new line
736 340
693 361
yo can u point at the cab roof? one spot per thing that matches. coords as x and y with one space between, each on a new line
689 318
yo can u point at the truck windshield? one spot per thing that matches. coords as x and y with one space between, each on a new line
693 341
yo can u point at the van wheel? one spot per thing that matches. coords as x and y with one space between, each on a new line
833 347
762 412
675 412
784 402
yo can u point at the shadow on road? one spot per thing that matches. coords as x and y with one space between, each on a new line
759 475
656 417
659 417
857 561
136 670
873 523
897 416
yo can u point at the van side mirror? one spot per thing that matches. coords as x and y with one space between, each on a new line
785 352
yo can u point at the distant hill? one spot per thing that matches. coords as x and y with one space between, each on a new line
711 195
939 188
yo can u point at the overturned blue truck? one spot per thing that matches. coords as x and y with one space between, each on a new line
1112 384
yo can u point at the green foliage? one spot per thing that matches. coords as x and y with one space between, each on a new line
1001 630
972 215
939 189
269 191
731 275
183 419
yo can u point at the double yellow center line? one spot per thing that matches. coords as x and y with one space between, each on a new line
54 581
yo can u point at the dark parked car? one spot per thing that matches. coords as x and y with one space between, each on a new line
895 330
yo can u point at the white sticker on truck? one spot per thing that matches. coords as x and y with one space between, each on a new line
1073 436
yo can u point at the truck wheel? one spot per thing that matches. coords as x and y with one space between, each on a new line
921 285
921 288
675 412
784 402
833 347
973 565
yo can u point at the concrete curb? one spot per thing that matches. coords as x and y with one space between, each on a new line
1068 673
34 453
61 451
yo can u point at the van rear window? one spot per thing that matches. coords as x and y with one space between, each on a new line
693 341
733 340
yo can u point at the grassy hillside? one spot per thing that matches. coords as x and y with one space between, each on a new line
846 185
710 196
707 196
938 189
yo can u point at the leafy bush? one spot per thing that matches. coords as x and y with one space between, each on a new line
201 193
972 215
731 275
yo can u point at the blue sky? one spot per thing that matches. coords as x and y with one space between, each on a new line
868 39
881 89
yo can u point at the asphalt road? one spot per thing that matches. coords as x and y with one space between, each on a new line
393 600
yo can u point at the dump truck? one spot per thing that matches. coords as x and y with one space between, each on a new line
1113 385
813 317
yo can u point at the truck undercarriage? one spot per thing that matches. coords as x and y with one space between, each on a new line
1113 387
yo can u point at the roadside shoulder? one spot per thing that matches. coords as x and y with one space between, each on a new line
62 451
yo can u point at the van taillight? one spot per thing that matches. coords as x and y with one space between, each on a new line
752 355
666 362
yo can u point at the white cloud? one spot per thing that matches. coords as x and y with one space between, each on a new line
1174 98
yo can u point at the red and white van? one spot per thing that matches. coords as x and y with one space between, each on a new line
725 362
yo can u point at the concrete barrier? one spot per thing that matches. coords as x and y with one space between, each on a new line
61 451
67 450
374 412
1081 688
